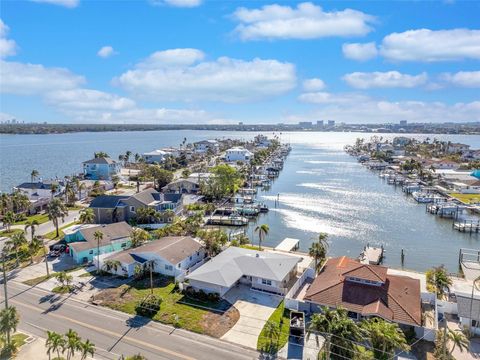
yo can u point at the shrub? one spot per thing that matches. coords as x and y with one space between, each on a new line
149 305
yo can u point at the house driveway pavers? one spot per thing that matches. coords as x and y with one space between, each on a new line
255 309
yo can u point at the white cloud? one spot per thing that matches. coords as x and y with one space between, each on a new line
224 79
306 21
470 79
172 57
313 84
360 52
389 79
429 45
88 99
7 47
29 79
359 108
177 3
330 98
6 117
106 52
65 3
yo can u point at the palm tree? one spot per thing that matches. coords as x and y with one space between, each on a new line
70 194
34 174
150 266
438 280
139 236
8 322
72 343
8 219
128 153
342 332
87 216
32 225
55 342
262 231
15 243
64 278
318 250
98 236
137 157
272 330
80 187
34 247
86 348
385 337
110 265
56 210
53 189
458 339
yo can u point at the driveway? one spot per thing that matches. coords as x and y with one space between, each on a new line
255 309
63 262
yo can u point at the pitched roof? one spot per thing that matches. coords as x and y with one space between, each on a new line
147 196
227 267
100 160
36 185
111 232
107 201
396 299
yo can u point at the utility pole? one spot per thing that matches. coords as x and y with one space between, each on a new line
4 280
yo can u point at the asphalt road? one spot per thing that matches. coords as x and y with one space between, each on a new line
114 333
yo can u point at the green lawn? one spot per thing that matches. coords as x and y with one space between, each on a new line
172 310
10 233
250 247
19 339
467 198
62 289
280 316
41 218
37 280
52 234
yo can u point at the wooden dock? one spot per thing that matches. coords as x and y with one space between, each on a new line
371 255
288 244
467 226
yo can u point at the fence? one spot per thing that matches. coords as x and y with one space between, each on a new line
290 302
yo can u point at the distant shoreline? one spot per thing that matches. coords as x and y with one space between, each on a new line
42 129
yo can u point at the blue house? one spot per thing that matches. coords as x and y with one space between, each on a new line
100 169
83 246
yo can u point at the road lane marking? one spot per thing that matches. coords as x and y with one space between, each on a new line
108 332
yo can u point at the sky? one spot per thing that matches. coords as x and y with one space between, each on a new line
208 61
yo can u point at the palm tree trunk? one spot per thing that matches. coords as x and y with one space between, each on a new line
46 259
56 227
151 281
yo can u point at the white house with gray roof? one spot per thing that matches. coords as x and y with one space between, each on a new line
261 270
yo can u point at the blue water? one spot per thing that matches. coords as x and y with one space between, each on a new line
321 189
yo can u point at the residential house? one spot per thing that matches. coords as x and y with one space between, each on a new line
471 155
172 256
182 186
468 305
102 168
262 141
84 247
455 148
155 156
40 189
366 291
238 154
115 208
260 270
207 145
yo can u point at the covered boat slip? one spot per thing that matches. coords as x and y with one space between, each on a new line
288 244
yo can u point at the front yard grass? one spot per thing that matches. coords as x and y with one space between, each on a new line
41 218
176 309
467 198
272 344
52 235
10 232
37 280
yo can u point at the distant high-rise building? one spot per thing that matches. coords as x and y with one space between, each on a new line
240 123
305 124
403 122
331 123
319 123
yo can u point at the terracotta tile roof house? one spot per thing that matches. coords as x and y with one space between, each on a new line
367 290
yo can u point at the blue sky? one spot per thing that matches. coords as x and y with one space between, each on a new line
193 61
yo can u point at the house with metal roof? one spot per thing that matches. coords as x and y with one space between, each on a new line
172 256
261 270
101 168
84 247
115 208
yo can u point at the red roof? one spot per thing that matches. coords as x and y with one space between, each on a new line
397 298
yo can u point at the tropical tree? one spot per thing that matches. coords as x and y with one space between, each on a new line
160 176
80 186
98 236
262 231
33 175
101 154
72 343
458 339
64 278
150 266
55 343
272 330
70 194
15 244
86 348
438 280
87 216
145 215
318 250
32 225
138 237
8 219
110 265
341 332
53 189
34 246
56 209
385 337
9 320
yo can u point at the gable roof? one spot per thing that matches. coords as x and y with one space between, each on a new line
397 299
111 232
227 267
35 185
107 201
147 196
100 160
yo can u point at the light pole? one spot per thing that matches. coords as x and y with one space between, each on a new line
4 280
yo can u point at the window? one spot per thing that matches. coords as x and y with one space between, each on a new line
90 252
267 282
132 208
179 265
190 258
124 245
168 267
